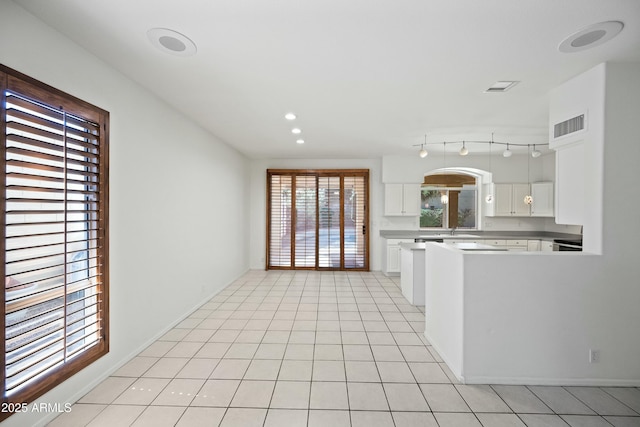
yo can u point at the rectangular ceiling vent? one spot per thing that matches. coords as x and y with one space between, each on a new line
570 126
501 86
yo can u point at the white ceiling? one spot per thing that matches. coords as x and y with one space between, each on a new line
365 77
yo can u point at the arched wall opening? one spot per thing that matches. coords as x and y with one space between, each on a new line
453 197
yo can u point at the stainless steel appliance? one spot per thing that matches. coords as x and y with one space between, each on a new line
567 245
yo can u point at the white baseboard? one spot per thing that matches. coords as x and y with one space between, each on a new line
591 382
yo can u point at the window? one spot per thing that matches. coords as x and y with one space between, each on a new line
317 219
448 201
55 236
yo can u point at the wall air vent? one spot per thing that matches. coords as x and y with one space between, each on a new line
570 126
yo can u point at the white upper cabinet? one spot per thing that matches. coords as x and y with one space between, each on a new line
402 199
503 199
542 193
508 200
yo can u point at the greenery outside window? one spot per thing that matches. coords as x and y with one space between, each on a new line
449 201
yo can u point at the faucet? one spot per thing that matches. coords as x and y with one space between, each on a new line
453 231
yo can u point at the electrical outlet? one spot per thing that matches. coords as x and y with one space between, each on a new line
594 356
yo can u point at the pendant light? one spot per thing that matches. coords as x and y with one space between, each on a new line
489 197
535 153
423 151
444 197
464 150
528 199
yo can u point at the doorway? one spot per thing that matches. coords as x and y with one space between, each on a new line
318 219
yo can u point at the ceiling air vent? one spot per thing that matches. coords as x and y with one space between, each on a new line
501 86
570 126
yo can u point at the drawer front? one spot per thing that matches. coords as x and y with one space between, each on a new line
495 242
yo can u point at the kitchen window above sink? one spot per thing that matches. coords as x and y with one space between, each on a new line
448 201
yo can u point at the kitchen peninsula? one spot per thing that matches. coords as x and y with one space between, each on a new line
500 317
510 240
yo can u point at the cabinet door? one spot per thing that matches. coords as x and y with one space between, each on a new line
393 195
546 246
542 193
393 259
503 199
520 208
411 199
533 245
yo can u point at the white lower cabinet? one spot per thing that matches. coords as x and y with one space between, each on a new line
393 260
510 245
517 245
533 245
452 241
412 275
546 246
494 242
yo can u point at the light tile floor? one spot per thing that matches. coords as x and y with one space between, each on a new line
321 349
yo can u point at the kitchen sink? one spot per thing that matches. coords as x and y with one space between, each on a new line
439 237
452 236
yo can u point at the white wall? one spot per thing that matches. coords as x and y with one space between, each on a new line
531 318
403 169
579 159
444 304
257 228
178 198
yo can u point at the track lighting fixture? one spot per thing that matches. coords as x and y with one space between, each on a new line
464 150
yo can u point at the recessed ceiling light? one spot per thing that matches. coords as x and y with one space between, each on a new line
296 131
501 86
290 116
299 141
591 36
171 42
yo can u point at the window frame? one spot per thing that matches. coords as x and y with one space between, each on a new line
448 189
318 174
30 88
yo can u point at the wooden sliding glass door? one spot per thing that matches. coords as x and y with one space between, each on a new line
318 219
